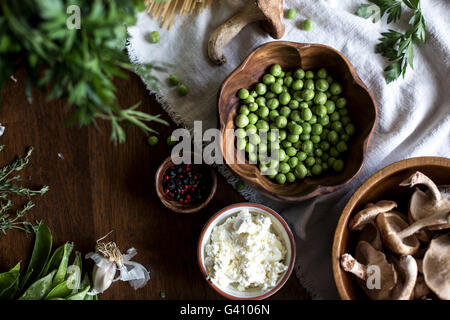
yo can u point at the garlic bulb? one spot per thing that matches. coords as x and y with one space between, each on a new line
108 260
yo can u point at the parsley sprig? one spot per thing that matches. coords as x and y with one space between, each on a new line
397 47
9 187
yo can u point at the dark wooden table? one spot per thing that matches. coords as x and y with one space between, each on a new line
96 187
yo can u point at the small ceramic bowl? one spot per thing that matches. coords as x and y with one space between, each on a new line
383 185
175 205
279 226
290 55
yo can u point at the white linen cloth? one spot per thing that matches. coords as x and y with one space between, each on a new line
414 113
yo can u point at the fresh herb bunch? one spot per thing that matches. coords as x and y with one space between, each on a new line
75 64
397 47
8 188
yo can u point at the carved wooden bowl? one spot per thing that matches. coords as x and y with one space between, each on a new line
291 55
383 185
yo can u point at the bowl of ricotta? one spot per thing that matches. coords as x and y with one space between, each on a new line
246 251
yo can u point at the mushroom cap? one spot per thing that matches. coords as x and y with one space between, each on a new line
369 214
408 269
369 256
436 266
273 12
371 235
389 225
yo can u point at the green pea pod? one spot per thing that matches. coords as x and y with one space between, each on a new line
39 257
73 275
89 297
9 282
60 291
80 295
54 261
39 289
62 269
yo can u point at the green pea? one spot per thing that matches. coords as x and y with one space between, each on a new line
299 74
281 122
305 136
333 136
301 156
290 177
313 119
243 94
276 70
284 167
293 138
350 129
285 89
296 129
262 125
318 152
336 88
297 85
309 84
182 90
345 137
341 102
295 116
249 99
291 151
271 136
290 14
173 80
276 88
270 95
285 111
281 178
253 158
345 120
316 129
322 73
330 161
341 146
250 148
298 96
322 85
307 25
279 81
251 129
268 79
288 81
263 112
252 118
273 103
325 157
285 98
335 116
324 120
282 74
333 152
338 165
343 111
294 104
300 171
261 89
330 79
315 139
254 139
282 134
336 126
306 114
154 37
152 140
273 114
307 146
325 145
253 93
324 166
241 144
254 106
244 110
293 161
316 170
321 110
282 155
331 107
308 95
310 161
306 127
309 74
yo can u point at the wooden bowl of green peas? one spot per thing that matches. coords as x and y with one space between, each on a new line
303 103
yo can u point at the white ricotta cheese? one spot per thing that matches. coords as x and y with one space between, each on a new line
245 253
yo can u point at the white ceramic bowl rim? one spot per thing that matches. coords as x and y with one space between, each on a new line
229 211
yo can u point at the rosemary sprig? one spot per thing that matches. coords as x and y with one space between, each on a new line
8 187
397 47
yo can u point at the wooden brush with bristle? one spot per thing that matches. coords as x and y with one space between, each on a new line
167 11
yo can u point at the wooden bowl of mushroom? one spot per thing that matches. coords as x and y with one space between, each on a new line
392 241
291 56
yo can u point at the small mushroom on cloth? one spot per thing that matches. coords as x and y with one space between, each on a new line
390 226
367 256
408 270
425 204
436 266
270 12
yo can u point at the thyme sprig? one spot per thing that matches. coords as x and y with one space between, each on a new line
8 187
